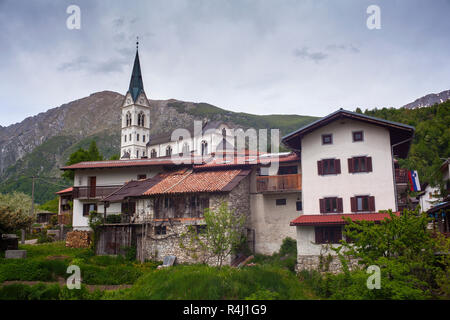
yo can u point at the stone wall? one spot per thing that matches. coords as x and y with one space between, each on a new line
323 263
151 246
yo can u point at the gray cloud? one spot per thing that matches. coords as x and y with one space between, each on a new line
304 53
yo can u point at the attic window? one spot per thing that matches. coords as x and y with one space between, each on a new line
327 139
358 136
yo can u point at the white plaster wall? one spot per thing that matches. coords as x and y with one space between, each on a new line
105 177
378 183
306 245
425 201
271 222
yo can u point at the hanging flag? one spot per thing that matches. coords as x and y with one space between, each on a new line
414 180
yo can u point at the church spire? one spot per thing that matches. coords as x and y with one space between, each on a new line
136 84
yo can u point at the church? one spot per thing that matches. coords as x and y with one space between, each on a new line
137 143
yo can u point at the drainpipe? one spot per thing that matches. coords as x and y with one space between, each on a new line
393 169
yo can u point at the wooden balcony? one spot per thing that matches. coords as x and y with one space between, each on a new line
98 192
281 183
401 176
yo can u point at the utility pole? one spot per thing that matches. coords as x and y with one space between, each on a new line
22 240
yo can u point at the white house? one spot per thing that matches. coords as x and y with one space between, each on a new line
347 170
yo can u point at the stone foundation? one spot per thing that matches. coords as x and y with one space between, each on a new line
324 263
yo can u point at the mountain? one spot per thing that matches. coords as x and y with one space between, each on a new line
39 145
429 100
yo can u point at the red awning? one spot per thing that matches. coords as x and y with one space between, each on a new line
337 219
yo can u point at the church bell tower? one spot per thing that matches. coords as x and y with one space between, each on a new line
135 119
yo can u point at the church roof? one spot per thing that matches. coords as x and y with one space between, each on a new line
136 84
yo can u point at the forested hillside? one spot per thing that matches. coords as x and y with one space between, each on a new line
430 145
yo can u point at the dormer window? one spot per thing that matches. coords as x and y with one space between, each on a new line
327 139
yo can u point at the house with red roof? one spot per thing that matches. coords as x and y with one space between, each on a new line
348 170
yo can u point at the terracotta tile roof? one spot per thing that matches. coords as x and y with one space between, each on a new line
188 181
68 190
132 188
166 161
336 219
240 160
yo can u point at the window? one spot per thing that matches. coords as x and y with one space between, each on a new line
204 147
327 139
287 170
137 137
167 203
328 234
299 205
88 208
128 207
331 205
128 119
142 120
329 166
185 150
360 164
125 136
362 203
137 153
153 153
280 202
142 176
143 138
160 230
358 136
168 151
130 137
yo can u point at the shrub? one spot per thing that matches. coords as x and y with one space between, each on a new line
288 247
201 282
39 291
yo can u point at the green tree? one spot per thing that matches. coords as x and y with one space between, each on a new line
15 212
50 205
223 233
92 154
406 252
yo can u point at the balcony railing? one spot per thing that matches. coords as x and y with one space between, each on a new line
288 182
401 176
98 192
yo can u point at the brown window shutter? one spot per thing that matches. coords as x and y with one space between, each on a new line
339 205
350 165
369 164
322 205
318 232
353 204
338 235
320 168
337 165
372 204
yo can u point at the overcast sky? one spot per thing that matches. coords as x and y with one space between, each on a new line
263 57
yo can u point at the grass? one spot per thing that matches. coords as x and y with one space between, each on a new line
271 278
49 262
201 282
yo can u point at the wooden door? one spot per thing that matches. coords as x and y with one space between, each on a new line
92 186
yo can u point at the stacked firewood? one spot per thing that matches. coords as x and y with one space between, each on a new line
78 239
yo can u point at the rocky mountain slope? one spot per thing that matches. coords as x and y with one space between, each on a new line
39 145
429 100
